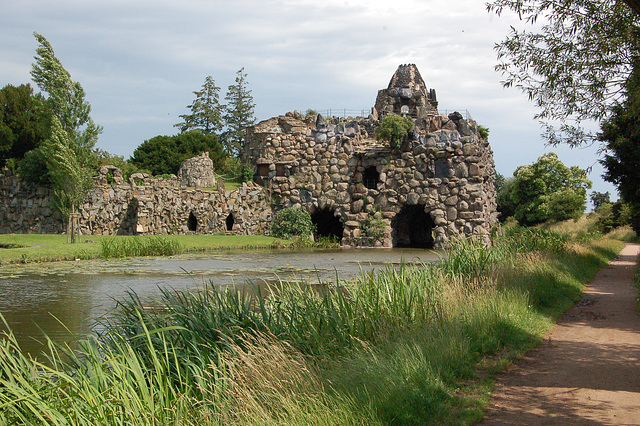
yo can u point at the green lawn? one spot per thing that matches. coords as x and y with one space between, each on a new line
44 247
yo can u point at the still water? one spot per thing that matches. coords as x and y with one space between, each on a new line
60 298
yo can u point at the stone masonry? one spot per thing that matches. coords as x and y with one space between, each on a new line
140 206
437 187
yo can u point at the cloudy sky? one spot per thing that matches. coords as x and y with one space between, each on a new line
140 60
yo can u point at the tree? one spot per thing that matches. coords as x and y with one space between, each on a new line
206 111
68 153
394 130
238 115
574 63
506 206
548 190
66 98
621 138
598 199
70 177
25 121
164 154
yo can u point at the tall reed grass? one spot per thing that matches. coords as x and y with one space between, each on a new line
398 346
139 246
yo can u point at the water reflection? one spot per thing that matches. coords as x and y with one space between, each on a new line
37 298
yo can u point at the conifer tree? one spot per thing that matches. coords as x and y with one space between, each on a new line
206 111
238 115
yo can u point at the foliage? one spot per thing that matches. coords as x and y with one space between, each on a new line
33 167
164 154
25 121
621 139
69 151
574 60
599 199
206 111
484 132
375 227
134 246
70 176
506 206
66 97
394 130
238 114
548 190
291 222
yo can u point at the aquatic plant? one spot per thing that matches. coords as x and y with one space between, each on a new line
139 246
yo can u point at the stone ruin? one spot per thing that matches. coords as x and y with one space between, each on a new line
197 172
439 186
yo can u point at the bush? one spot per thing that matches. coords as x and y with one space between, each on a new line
291 222
394 130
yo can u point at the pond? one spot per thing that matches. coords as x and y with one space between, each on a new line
62 297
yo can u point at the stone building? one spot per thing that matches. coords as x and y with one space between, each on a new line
437 187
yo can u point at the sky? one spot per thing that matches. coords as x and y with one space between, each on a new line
139 62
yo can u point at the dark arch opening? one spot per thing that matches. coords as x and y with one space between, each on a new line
413 227
371 177
230 221
192 223
327 224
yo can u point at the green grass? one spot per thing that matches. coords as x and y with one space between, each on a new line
42 247
401 346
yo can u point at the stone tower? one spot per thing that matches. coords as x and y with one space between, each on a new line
407 94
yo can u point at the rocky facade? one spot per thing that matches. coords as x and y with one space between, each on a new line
197 172
26 208
140 206
439 186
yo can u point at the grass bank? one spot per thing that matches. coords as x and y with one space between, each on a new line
44 248
407 345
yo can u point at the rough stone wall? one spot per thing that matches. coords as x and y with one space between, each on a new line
447 170
152 208
26 208
197 172
141 206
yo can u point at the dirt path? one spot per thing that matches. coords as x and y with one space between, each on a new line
588 370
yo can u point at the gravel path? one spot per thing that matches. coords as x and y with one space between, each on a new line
588 370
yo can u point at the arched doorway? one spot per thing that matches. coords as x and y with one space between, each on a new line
230 221
327 224
413 227
192 223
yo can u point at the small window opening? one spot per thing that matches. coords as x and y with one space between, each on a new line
404 110
371 177
229 222
192 223
442 168
263 170
279 169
